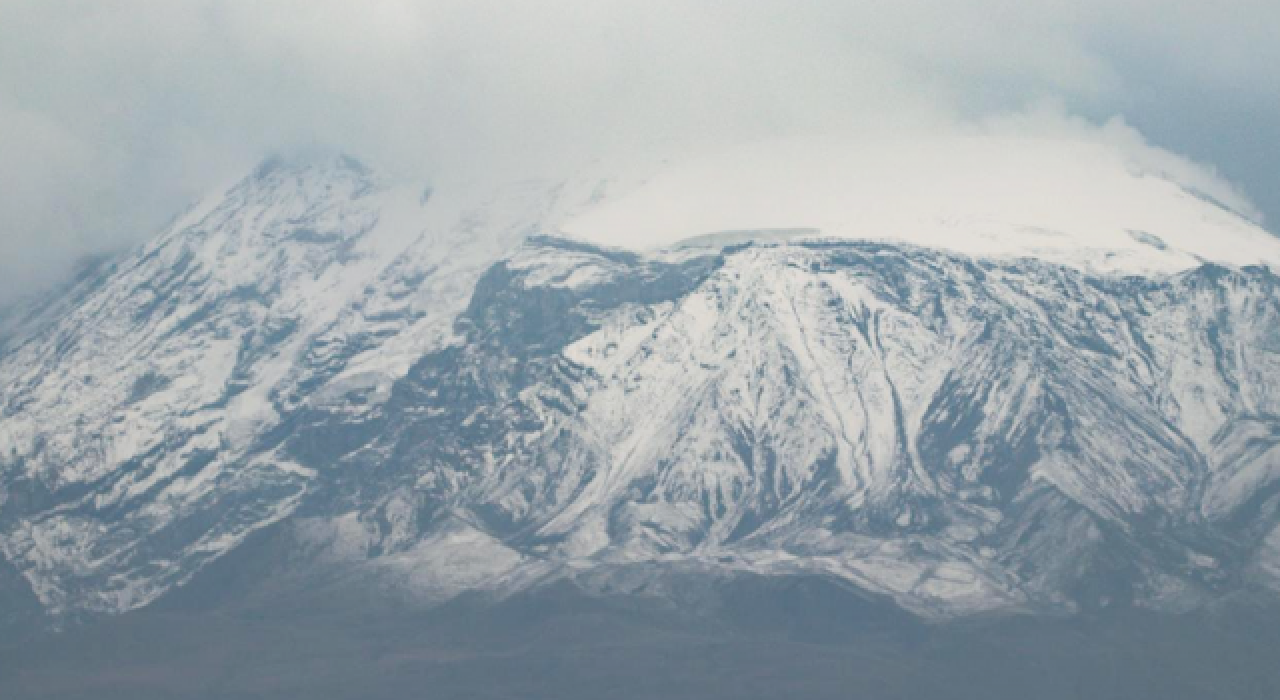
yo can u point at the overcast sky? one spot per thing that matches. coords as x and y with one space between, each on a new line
114 115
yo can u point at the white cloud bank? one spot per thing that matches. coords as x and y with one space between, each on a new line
113 115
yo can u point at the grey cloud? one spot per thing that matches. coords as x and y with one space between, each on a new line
113 115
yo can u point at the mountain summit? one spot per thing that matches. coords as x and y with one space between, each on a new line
1097 200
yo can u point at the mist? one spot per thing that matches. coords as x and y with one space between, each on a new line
113 117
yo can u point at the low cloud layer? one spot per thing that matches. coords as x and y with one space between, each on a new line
112 116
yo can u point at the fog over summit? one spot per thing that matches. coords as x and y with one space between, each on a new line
111 122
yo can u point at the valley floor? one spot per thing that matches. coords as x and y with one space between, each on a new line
799 639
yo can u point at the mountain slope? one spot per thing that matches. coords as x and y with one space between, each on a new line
960 435
128 422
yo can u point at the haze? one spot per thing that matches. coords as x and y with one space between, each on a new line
114 116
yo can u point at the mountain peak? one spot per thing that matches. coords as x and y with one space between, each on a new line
298 162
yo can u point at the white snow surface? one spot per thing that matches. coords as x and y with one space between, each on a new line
1093 200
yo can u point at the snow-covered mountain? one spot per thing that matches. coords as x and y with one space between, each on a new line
439 391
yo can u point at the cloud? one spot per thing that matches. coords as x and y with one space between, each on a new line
111 119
